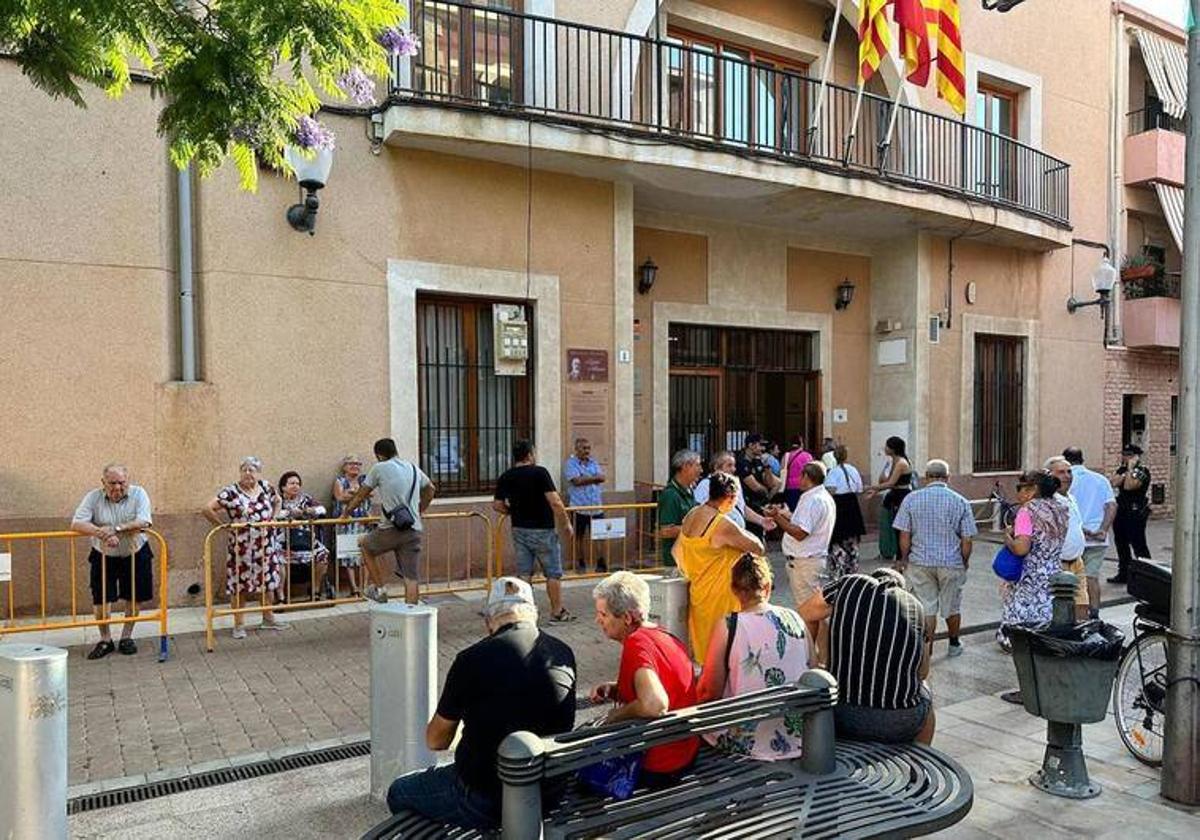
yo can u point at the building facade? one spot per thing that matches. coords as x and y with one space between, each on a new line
627 220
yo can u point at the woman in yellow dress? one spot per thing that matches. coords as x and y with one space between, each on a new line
709 544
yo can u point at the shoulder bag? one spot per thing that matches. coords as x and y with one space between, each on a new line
402 516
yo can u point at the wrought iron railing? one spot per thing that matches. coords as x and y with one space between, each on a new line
609 81
1150 118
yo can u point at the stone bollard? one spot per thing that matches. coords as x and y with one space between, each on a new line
33 742
669 606
403 690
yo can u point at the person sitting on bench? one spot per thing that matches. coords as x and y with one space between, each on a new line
516 679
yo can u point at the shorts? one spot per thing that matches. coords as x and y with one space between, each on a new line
807 577
1093 560
891 726
406 545
535 547
582 522
938 588
116 583
1075 567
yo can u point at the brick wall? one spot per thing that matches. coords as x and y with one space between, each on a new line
1154 374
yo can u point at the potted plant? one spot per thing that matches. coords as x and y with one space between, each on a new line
1139 266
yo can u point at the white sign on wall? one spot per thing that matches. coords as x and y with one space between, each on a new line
608 529
5 566
894 351
840 415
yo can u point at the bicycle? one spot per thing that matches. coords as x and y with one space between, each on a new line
1140 687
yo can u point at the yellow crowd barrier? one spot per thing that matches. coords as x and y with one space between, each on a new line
21 550
455 557
619 537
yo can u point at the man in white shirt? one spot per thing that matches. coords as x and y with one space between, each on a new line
1097 509
726 462
1073 545
806 534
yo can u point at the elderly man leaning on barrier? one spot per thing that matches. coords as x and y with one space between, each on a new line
113 515
517 679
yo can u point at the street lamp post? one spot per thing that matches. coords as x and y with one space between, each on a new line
1181 745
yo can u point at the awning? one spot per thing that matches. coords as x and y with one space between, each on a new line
1166 62
1171 199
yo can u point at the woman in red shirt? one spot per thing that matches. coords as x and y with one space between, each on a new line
655 675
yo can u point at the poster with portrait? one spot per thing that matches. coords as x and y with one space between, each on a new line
587 365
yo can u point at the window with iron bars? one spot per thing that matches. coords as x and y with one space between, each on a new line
999 402
469 416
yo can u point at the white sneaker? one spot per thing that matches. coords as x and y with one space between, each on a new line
955 650
274 624
376 593
239 632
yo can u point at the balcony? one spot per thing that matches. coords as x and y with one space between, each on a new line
766 124
1150 312
1154 148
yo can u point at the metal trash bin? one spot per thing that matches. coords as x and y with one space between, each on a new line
669 605
1066 673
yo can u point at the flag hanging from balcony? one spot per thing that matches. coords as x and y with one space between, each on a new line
951 62
917 21
874 37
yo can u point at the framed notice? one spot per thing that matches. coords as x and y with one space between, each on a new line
587 365
347 546
5 566
604 528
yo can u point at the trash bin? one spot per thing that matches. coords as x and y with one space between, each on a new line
1066 673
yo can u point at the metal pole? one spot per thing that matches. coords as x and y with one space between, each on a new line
33 742
403 690
1181 743
187 298
816 121
886 144
858 98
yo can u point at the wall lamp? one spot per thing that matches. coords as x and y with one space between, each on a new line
312 173
647 274
1104 277
845 294
1000 5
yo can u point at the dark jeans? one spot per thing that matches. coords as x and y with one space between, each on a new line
1129 532
440 794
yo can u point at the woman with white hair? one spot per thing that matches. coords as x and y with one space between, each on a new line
345 485
252 565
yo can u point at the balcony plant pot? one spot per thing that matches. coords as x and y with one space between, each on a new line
1137 272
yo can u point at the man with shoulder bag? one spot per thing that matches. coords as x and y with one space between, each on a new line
404 492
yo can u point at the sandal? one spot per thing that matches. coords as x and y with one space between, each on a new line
102 649
563 616
127 647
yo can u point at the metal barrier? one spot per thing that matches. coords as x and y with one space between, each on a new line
466 566
14 554
635 549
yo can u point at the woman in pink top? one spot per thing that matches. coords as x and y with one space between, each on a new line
793 465
1037 535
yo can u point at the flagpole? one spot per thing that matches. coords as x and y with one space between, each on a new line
816 123
886 143
858 97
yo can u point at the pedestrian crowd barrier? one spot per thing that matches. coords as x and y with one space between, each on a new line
28 596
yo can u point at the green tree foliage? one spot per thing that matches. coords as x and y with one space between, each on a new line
235 75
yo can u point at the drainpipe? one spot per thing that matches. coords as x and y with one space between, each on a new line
187 297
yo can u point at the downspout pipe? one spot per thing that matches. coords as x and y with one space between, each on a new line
187 294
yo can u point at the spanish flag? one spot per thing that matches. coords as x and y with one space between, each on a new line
951 62
874 37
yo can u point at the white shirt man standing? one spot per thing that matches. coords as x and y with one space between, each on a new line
1073 545
806 534
1097 507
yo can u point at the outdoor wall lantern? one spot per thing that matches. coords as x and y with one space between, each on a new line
1000 5
646 275
845 294
1103 280
312 173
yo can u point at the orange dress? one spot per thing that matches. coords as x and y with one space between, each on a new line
709 571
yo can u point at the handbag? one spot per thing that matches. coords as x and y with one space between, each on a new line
1007 565
614 777
401 516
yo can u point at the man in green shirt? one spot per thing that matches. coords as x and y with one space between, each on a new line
675 500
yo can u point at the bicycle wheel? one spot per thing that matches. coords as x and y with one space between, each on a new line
1139 697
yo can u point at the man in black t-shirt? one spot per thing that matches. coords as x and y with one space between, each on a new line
526 493
872 639
759 483
518 679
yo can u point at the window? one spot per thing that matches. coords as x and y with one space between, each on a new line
469 53
733 93
469 417
999 402
996 167
996 110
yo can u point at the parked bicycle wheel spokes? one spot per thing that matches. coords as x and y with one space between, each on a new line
1139 697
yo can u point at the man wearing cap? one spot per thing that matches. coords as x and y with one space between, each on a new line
516 679
1131 483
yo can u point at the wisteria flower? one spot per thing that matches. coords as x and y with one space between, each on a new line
358 86
399 42
311 134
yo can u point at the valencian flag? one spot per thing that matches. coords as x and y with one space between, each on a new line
874 37
951 63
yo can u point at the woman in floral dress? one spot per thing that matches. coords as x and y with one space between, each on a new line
768 648
306 556
345 486
1037 534
253 563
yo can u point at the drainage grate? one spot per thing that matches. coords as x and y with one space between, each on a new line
211 778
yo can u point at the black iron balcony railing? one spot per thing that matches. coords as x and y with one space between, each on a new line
1150 118
603 80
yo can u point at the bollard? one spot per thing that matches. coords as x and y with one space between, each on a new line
403 690
1064 769
33 742
669 606
519 763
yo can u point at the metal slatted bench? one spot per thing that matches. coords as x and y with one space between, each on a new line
834 790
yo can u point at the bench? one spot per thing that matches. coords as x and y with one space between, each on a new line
847 789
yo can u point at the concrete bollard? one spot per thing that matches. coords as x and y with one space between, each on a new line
403 690
669 606
33 742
